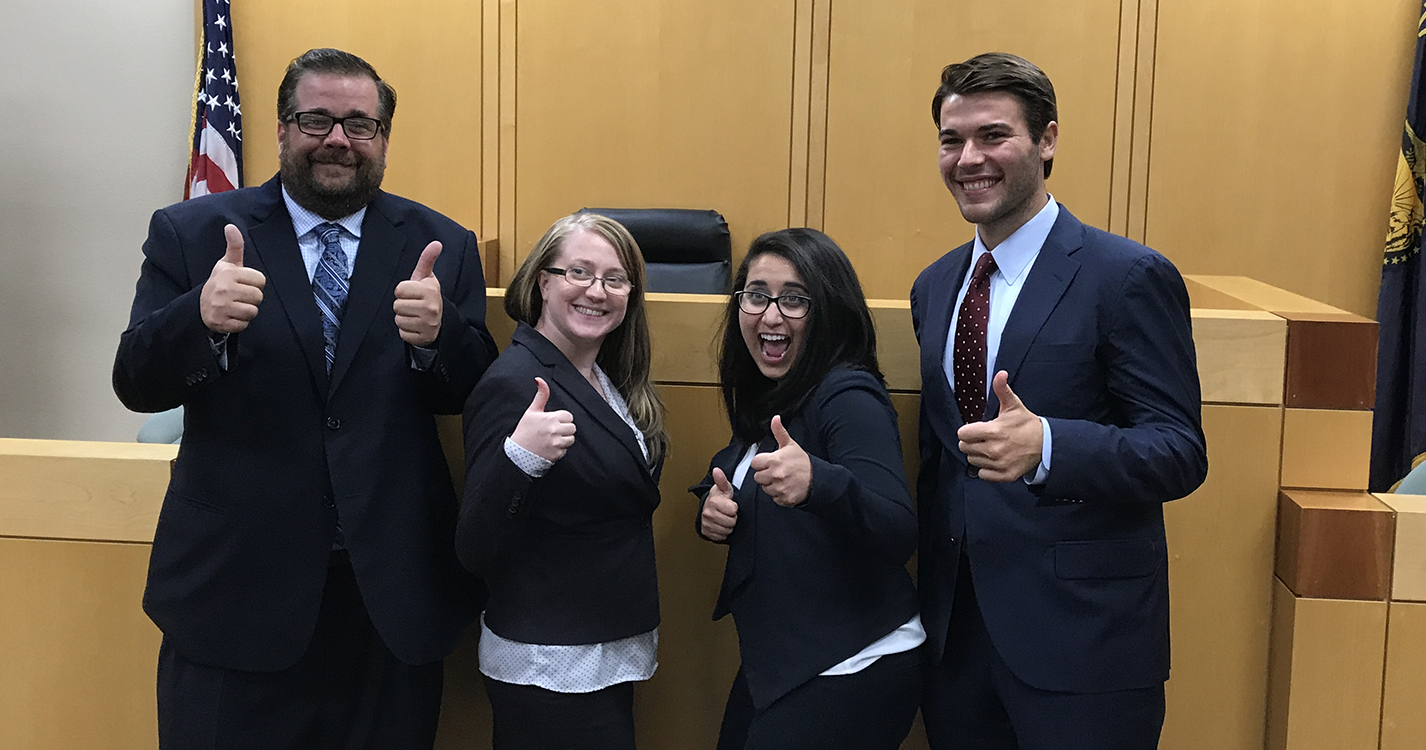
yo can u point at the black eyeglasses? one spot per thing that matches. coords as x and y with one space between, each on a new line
790 305
319 124
613 283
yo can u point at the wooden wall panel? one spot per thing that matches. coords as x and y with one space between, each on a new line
654 103
77 654
1326 448
1274 140
1403 723
431 51
884 200
1220 574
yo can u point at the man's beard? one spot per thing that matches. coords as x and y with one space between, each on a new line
330 203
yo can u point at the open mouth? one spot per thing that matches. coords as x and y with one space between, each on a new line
979 183
774 346
590 312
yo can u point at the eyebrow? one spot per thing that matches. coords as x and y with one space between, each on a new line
795 285
984 128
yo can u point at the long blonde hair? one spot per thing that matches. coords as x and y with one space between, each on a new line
625 353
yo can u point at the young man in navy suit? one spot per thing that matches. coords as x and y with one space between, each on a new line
303 570
1059 411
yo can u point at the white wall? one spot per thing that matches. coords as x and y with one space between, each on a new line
94 110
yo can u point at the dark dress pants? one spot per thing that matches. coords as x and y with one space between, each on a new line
348 692
972 701
533 718
867 710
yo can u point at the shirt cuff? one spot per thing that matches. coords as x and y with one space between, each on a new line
532 464
422 358
1042 472
219 342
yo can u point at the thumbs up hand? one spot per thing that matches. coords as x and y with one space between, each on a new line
547 434
232 293
418 303
720 512
786 473
1008 447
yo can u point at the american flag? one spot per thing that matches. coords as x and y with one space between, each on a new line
216 163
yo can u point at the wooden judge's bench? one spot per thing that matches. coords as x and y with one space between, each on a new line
1299 600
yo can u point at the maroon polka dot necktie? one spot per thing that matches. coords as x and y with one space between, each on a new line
969 357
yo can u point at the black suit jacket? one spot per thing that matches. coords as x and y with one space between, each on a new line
811 586
274 450
568 557
1071 576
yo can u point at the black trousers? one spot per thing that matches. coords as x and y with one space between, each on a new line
973 701
533 718
867 710
348 692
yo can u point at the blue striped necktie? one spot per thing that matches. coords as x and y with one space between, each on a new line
329 284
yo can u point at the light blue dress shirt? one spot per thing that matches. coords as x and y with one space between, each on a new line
1013 259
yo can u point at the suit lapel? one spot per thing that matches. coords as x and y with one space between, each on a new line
373 285
272 243
584 401
1049 277
941 300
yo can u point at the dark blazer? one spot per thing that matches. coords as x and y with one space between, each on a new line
811 586
568 557
274 450
1071 576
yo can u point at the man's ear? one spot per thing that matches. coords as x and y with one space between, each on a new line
1049 140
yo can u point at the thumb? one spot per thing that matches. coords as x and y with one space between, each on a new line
425 267
542 395
720 480
234 253
780 432
1008 399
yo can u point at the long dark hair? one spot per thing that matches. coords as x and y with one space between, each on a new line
839 332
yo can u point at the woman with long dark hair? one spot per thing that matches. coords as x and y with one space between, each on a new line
811 498
564 440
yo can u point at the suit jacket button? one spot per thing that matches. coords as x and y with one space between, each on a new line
329 501
972 471
333 423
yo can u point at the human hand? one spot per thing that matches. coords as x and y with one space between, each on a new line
232 293
418 303
1008 447
547 434
720 512
786 473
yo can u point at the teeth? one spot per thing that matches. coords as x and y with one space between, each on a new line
978 184
772 337
590 312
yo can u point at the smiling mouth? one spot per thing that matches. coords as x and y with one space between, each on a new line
590 312
774 346
983 183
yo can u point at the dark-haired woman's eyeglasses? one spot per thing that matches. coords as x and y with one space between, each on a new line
790 305
613 283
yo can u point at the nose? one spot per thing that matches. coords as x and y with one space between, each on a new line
338 137
971 153
597 290
773 314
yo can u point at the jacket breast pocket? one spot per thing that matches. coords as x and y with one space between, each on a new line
1063 352
1117 558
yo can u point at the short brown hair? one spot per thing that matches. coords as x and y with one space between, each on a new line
333 62
1002 72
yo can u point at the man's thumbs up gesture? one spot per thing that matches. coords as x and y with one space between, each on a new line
418 303
1008 447
547 434
720 511
232 293
786 473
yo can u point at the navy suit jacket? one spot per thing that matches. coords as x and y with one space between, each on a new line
569 557
811 586
275 450
1072 575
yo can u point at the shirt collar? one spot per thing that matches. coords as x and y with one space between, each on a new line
303 221
1015 254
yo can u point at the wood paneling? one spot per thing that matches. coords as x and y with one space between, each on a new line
77 654
1220 574
884 201
1331 361
1326 448
1403 723
60 489
654 103
1326 684
430 51
1240 355
1274 140
1334 545
1408 563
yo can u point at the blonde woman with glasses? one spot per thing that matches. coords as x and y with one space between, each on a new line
564 440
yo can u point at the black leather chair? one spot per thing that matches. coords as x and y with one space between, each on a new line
685 250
